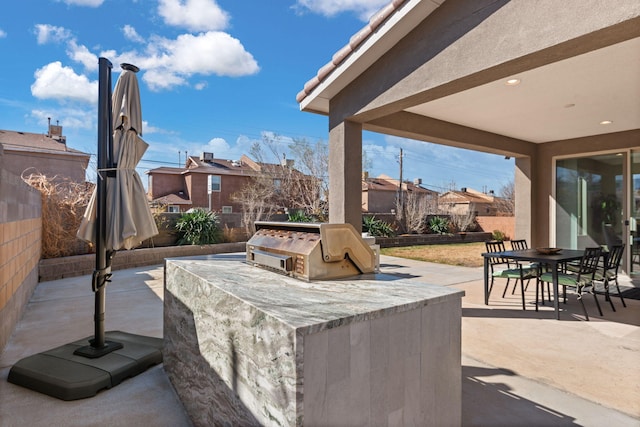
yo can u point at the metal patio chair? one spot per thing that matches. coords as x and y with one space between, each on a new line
609 272
579 281
502 267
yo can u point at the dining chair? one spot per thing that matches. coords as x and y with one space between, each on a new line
520 245
502 267
609 272
579 281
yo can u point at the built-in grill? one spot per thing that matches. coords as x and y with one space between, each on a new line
310 251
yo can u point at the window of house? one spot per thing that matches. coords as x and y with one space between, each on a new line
227 209
173 209
214 183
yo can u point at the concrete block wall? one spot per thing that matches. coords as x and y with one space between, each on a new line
80 265
20 247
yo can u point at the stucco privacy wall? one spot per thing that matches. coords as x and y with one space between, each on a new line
20 247
506 224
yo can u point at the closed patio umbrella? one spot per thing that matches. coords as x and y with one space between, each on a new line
118 215
128 218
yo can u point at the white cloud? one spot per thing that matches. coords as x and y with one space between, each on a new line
53 81
170 63
81 54
3 33
69 118
363 8
194 15
90 3
131 34
217 146
148 129
200 86
158 79
46 33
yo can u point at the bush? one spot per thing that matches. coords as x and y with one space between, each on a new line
377 227
498 235
439 225
63 205
198 227
299 216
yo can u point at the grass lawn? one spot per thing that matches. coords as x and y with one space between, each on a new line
463 254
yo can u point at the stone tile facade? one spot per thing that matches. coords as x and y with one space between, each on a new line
244 346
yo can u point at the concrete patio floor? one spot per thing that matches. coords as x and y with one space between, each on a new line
518 367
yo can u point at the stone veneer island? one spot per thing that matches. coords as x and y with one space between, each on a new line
244 346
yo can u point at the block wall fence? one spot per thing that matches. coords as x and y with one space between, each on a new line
20 247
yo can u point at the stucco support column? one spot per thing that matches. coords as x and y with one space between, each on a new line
524 202
345 174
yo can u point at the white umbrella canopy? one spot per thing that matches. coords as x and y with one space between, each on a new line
129 220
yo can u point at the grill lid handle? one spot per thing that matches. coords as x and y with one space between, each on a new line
340 240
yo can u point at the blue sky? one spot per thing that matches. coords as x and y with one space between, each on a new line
216 75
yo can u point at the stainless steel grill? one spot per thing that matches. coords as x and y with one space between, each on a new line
310 251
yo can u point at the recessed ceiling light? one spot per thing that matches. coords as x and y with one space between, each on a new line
512 82
606 122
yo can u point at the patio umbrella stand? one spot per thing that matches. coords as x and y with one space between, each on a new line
77 370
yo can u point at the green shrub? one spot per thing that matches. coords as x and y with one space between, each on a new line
377 227
439 225
198 227
498 235
299 216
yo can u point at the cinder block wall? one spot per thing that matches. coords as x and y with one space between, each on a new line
20 247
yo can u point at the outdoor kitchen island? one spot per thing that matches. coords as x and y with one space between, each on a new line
246 346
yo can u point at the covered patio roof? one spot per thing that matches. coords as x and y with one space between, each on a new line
565 88
530 80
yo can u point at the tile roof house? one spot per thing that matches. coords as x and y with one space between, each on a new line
552 85
380 195
207 182
47 154
467 200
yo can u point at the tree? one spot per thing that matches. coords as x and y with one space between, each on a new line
310 192
256 198
416 209
301 181
506 201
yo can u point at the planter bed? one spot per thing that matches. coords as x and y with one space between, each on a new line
431 239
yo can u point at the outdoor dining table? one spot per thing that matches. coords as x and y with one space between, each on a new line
552 261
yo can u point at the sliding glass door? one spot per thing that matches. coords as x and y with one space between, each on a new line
634 215
589 201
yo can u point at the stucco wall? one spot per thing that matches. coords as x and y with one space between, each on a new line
54 166
20 247
506 224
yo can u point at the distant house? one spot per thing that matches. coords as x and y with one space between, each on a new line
380 195
47 154
468 200
207 182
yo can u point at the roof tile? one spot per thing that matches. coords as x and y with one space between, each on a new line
356 40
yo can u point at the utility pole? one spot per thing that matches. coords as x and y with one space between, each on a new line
400 199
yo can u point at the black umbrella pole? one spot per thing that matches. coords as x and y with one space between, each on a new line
98 345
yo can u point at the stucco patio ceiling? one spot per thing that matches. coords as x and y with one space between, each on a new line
562 100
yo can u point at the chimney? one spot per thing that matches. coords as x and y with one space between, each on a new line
55 131
206 157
